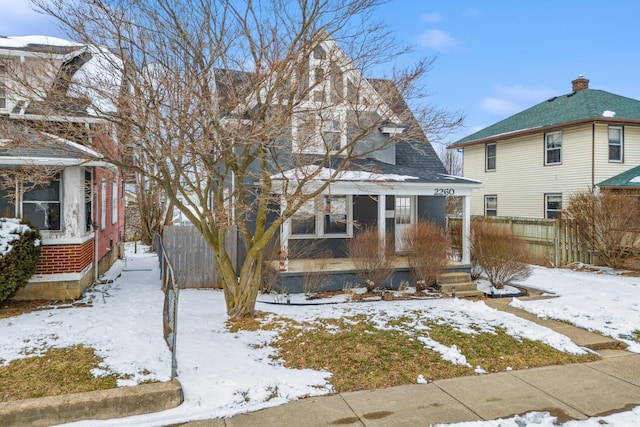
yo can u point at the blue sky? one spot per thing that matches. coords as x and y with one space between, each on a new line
494 58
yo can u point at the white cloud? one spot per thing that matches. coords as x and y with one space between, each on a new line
499 107
507 100
431 17
437 40
521 93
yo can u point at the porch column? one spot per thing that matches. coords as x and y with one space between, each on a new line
285 232
466 229
382 223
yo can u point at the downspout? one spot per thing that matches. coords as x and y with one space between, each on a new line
593 155
95 236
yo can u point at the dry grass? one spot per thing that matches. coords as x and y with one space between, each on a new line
360 356
59 371
371 257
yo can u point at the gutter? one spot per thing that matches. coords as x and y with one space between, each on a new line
508 135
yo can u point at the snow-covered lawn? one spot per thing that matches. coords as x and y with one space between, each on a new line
599 301
224 373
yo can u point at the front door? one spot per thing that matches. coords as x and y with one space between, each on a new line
403 217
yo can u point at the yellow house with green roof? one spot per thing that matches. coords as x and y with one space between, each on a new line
532 162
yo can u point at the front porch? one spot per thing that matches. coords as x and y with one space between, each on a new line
340 272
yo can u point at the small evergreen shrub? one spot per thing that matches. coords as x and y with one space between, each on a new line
428 249
502 255
19 253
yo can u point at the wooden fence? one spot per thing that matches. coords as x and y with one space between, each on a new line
551 242
192 258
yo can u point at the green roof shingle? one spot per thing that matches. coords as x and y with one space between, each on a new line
574 107
630 179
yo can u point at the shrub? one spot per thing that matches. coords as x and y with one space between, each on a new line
19 253
371 257
502 255
608 222
428 251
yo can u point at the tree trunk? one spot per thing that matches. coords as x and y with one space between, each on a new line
241 292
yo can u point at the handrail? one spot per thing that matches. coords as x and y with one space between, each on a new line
170 307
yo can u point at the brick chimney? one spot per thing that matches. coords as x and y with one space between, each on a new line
580 83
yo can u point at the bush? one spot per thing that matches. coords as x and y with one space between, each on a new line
607 222
371 257
19 253
428 251
499 253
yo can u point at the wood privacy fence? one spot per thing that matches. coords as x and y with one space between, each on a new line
552 242
192 258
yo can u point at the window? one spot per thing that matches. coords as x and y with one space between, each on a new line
88 198
317 133
42 205
615 144
114 201
335 214
103 204
3 86
303 222
553 148
552 205
328 216
7 204
490 205
490 151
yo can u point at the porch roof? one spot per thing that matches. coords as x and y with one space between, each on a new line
629 179
373 176
23 145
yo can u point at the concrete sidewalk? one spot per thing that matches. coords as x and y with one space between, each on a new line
576 391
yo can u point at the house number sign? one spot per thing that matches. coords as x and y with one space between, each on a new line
444 192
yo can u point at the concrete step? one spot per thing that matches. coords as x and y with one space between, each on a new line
447 288
464 294
456 277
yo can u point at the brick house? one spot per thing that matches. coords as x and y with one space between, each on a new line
78 202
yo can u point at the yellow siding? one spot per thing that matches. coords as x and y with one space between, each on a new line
521 179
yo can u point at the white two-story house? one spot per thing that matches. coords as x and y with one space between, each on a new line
532 162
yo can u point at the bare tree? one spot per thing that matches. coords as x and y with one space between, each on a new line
608 222
223 102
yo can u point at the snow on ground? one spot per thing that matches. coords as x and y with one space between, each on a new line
224 373
599 301
544 419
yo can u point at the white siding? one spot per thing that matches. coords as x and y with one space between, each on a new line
521 178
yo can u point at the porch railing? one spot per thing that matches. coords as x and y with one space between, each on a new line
170 307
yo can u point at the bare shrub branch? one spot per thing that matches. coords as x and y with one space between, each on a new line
502 255
371 257
428 252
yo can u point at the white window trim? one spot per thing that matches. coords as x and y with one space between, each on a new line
319 218
4 86
486 157
546 204
103 204
547 149
317 145
621 129
486 198
114 201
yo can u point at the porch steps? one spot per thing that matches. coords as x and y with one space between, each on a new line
458 282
